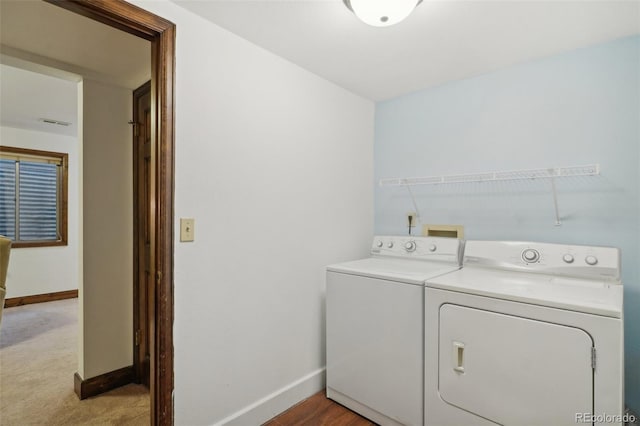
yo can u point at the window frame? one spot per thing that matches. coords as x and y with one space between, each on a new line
63 209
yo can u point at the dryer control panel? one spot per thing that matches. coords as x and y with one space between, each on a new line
592 262
425 248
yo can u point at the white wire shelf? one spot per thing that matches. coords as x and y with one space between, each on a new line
528 174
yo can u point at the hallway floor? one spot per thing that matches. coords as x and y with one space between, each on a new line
38 358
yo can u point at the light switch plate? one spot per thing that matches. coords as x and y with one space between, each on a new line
187 230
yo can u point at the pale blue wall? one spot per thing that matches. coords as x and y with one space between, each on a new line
576 108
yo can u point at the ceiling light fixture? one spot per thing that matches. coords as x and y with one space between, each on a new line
381 13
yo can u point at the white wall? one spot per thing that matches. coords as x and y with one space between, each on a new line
106 290
275 164
40 270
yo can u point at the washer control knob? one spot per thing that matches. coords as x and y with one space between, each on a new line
432 247
379 243
591 260
568 258
390 245
530 255
410 246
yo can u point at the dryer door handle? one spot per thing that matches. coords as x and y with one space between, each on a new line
457 356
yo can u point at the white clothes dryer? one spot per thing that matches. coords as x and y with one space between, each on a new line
375 326
526 334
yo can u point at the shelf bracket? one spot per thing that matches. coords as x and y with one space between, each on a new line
555 201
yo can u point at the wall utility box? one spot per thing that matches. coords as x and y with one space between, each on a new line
448 231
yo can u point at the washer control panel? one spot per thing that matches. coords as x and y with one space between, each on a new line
425 248
567 260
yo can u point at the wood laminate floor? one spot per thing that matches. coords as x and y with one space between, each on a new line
316 411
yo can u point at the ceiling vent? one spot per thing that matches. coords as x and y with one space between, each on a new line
52 121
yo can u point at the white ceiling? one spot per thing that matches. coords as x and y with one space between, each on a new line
60 46
441 41
36 30
26 97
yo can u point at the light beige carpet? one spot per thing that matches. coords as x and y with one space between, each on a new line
38 358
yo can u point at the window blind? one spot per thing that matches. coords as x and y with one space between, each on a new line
8 198
38 201
29 200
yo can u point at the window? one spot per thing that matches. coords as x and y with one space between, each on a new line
33 197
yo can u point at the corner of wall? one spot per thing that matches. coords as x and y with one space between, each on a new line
278 401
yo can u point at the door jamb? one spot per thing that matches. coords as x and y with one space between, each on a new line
140 325
161 33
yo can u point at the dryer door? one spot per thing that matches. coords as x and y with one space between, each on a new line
512 370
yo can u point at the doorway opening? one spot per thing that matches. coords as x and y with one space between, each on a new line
161 33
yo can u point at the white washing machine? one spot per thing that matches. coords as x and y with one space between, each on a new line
375 326
526 334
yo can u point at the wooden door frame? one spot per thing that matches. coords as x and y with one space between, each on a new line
161 33
140 322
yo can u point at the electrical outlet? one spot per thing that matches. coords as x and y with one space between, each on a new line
412 219
187 229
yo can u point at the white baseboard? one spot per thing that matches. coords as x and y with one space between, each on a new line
278 401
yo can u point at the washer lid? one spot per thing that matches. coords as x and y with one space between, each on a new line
574 294
394 269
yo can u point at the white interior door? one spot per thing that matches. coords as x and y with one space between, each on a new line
512 370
